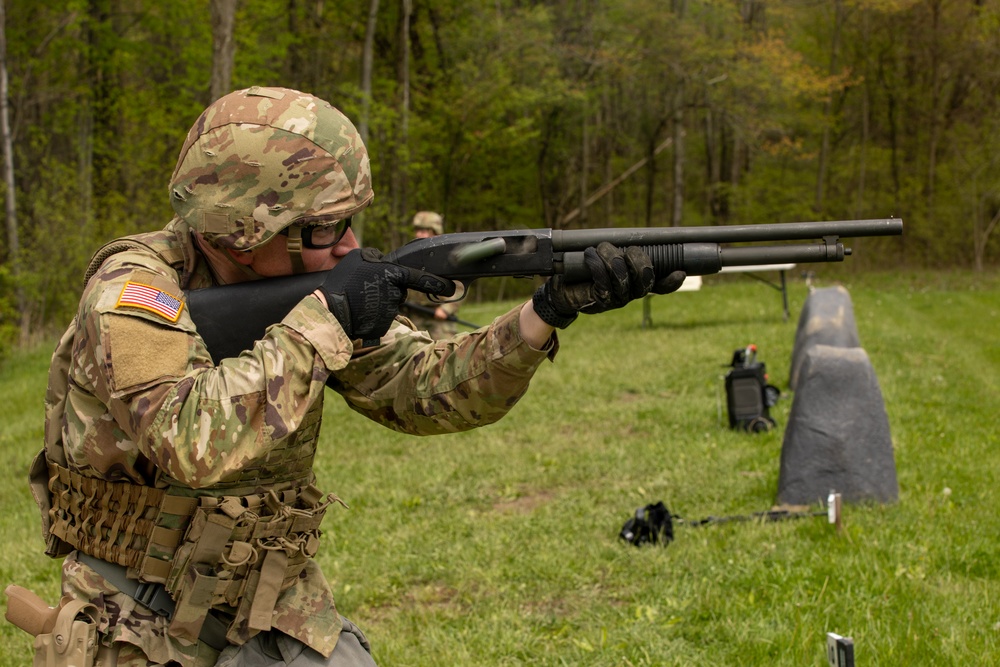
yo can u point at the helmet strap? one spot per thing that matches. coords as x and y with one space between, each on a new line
294 243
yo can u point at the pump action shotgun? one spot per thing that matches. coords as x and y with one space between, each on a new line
231 317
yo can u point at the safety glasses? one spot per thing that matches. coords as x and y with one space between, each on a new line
320 235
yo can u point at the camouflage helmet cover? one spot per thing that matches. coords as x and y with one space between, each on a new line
429 220
261 159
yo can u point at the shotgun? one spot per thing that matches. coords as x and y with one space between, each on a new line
228 326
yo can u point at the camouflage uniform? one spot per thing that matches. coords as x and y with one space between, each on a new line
137 415
147 405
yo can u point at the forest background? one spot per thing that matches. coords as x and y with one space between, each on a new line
514 113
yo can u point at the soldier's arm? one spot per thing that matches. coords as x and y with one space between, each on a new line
415 386
197 422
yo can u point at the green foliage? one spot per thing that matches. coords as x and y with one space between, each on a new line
8 315
60 241
499 546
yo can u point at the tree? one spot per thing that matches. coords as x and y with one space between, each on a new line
838 21
223 46
10 199
367 59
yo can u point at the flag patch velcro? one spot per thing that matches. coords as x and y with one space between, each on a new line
149 298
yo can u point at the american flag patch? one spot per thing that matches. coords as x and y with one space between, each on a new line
149 298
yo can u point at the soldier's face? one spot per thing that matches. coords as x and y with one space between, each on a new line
272 259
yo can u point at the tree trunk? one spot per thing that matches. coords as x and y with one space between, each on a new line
401 167
13 244
677 217
607 153
105 94
223 46
981 238
10 200
584 166
650 159
650 185
405 111
735 160
712 172
859 200
367 59
824 151
935 99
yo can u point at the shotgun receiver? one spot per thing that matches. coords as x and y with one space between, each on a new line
230 318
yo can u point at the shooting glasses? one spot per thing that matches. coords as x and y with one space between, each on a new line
320 235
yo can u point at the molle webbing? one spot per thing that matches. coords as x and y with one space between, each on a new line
233 552
242 553
113 521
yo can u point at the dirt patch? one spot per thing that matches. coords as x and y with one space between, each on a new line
629 396
523 504
430 596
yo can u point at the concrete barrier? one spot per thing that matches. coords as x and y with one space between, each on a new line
827 318
837 438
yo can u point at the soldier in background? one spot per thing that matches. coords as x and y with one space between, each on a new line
181 491
433 316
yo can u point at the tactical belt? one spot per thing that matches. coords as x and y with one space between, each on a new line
239 552
155 598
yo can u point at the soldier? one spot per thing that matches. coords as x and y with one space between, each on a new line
435 317
181 491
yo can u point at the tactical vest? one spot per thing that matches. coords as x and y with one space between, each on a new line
233 547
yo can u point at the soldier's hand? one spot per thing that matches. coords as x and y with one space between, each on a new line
617 276
365 293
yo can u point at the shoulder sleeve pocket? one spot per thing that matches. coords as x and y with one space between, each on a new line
140 352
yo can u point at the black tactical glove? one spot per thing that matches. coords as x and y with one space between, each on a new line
364 293
616 277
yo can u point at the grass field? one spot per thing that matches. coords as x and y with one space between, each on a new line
500 547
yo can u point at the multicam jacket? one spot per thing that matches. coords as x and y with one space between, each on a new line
138 400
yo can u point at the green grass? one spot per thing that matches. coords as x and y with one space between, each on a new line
499 546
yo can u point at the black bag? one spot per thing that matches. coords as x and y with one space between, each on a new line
748 394
650 525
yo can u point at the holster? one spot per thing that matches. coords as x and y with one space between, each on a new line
65 636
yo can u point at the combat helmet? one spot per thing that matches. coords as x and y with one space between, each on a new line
262 159
429 220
